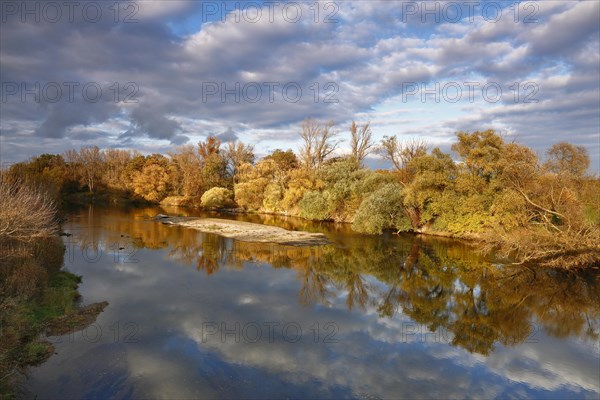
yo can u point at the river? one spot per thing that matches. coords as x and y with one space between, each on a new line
195 315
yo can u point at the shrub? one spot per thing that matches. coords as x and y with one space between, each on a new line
314 206
217 197
25 214
382 210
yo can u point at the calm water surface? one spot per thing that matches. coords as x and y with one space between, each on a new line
196 315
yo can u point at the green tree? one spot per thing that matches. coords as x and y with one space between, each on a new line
480 152
382 210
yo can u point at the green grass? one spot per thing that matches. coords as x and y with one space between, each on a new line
58 299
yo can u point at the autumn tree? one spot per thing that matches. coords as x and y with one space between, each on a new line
429 195
48 173
91 159
383 209
153 181
188 163
567 158
252 183
85 165
217 197
26 214
285 160
212 145
213 164
115 166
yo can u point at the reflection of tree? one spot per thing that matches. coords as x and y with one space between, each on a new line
443 285
357 291
314 287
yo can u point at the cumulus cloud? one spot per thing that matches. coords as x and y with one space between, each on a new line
266 76
228 136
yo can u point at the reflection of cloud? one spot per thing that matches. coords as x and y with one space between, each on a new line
549 364
388 360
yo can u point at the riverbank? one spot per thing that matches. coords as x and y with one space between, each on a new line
247 231
527 244
37 297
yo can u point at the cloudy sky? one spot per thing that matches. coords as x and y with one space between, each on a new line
152 75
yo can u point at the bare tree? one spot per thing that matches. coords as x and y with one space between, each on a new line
400 154
236 154
71 157
115 161
361 141
91 161
318 143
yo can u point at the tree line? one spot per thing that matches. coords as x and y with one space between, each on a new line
499 192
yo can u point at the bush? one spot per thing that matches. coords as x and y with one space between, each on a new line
217 197
25 213
314 206
382 210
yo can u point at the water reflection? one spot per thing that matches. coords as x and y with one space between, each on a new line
440 284
435 305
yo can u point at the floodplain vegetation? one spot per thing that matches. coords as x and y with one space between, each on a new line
541 210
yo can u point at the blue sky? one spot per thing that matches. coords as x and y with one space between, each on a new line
530 70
